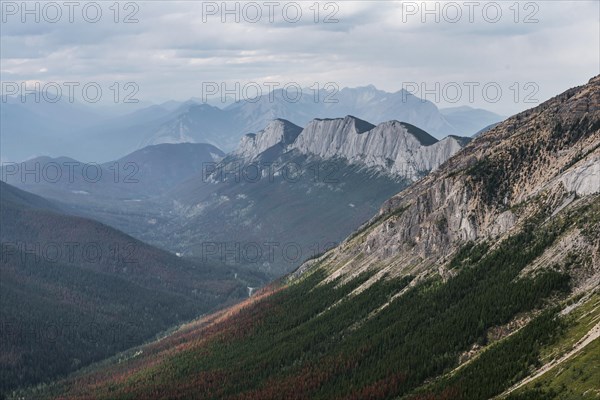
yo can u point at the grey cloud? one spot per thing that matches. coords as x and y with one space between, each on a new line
171 51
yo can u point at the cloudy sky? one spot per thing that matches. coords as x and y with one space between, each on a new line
503 56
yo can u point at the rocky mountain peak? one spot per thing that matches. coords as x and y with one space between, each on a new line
278 132
393 147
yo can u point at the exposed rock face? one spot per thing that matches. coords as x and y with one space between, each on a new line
392 147
539 150
532 161
583 179
278 132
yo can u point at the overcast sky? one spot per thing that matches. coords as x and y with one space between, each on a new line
531 51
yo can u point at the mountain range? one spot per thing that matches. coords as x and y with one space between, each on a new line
478 281
285 189
92 134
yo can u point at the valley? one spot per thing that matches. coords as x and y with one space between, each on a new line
267 206
496 253
75 291
324 200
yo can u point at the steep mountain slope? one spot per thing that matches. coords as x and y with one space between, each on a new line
465 284
161 167
74 291
484 130
302 190
278 132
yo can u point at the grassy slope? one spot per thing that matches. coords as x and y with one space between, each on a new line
578 376
575 379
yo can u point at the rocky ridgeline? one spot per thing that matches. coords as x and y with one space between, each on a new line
542 159
392 147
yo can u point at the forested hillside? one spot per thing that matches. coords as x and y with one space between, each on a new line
74 291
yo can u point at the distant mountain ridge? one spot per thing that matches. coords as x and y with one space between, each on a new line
393 147
99 137
365 103
144 173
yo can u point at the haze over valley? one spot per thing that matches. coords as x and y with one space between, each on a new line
289 200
